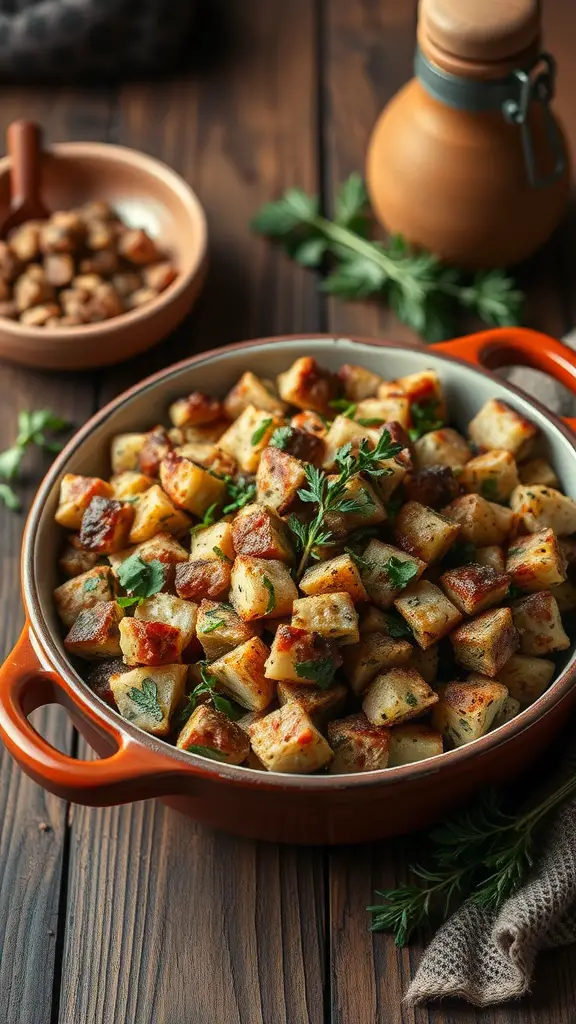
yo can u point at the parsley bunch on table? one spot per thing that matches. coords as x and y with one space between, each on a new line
32 429
423 292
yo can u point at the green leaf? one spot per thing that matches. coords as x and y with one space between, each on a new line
281 438
226 707
400 572
424 419
210 752
208 520
271 595
397 627
357 278
146 697
344 406
128 602
260 431
10 462
141 579
489 488
241 492
10 498
311 252
411 699
279 218
212 626
495 298
320 671
375 421
351 200
91 584
220 554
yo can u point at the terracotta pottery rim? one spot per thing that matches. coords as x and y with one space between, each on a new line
155 168
226 774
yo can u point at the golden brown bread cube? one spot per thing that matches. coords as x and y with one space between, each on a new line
424 533
474 588
101 235
413 741
135 245
538 471
259 531
370 513
102 263
106 525
424 388
149 643
336 575
493 474
358 382
209 456
202 578
496 425
343 431
194 410
76 493
396 695
288 741
213 542
102 304
302 657
261 587
189 486
83 592
212 734
510 709
278 479
24 243
486 642
128 484
241 675
59 269
32 290
428 612
148 697
141 297
95 633
75 559
153 449
443 447
126 283
537 619
172 611
61 233
481 522
466 711
539 507
248 436
155 513
491 555
331 615
163 547
526 677
390 405
358 745
374 653
308 386
381 586
321 705
160 275
536 562
96 209
251 390
41 316
220 629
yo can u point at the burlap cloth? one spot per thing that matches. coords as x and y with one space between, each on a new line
487 958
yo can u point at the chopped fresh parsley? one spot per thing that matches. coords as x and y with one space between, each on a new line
146 698
514 592
411 699
397 627
489 488
344 407
91 584
211 626
240 491
261 430
424 419
208 520
271 595
210 752
320 671
220 554
141 579
207 688
400 572
281 438
375 421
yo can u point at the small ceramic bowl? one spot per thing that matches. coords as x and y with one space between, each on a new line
146 194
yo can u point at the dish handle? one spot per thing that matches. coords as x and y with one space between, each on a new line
125 772
516 346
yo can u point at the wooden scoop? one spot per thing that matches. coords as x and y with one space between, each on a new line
25 149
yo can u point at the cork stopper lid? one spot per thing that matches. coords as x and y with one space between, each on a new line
484 38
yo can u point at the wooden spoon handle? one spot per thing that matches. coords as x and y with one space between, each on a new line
25 147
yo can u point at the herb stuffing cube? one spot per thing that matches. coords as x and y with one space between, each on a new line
428 612
536 562
358 745
413 741
466 711
212 734
148 697
288 741
241 675
261 588
486 642
373 654
83 592
396 695
331 615
320 704
220 629
386 571
302 657
95 633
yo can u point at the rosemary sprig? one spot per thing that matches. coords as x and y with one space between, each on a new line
423 292
481 856
330 495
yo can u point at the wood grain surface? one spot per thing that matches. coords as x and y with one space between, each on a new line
136 915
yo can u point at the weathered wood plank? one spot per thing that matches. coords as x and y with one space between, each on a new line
32 823
167 921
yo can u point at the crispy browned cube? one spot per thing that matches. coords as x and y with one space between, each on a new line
493 474
540 507
155 447
371 508
536 562
382 587
538 471
336 575
444 447
486 642
413 741
202 578
308 386
261 588
358 745
278 479
496 425
160 275
331 615
126 283
76 493
102 263
40 316
99 676
537 618
433 486
396 695
220 629
75 559
391 404
195 409
258 530
526 677
189 486
310 422
492 555
466 711
481 522
128 484
373 654
288 741
96 634
321 705
59 269
473 588
358 382
106 525
248 436
154 513
162 547
241 675
343 431
149 643
423 532
305 444
137 247
302 657
212 734
173 611
428 612
251 390
140 298
425 388
24 242
83 592
148 697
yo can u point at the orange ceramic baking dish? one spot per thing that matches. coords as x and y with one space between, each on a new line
304 809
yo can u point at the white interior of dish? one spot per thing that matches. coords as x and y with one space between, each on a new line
466 391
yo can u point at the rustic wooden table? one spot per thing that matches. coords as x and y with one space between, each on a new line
131 915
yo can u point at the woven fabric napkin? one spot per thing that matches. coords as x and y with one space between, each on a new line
489 958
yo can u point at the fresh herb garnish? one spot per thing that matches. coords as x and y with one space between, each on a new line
221 555
393 506
146 697
481 855
461 553
375 421
344 407
210 752
32 427
91 584
423 292
397 627
281 438
400 572
489 488
211 626
424 419
411 699
260 431
320 671
514 592
359 561
141 579
241 492
330 495
207 688
271 595
208 520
